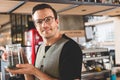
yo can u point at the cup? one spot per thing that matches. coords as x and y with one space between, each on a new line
14 55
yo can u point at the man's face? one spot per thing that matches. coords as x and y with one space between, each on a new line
45 22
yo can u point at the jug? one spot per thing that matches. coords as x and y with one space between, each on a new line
14 55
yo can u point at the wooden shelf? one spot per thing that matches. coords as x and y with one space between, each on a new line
62 7
74 33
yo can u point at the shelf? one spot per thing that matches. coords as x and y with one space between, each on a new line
86 10
73 33
62 7
107 43
90 50
98 22
95 58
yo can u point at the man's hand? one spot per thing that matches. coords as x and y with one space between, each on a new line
22 69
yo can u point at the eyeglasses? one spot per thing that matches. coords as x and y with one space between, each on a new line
47 20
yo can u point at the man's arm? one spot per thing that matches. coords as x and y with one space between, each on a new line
70 61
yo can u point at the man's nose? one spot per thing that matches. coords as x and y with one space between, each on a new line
43 24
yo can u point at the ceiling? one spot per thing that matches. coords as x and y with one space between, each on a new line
63 8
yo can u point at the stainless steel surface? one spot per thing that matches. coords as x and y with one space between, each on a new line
95 58
95 75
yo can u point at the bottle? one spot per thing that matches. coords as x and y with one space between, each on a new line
113 74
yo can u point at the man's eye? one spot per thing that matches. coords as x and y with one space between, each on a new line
47 19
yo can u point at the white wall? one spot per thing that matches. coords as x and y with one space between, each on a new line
104 32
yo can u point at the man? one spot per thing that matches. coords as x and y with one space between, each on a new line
59 57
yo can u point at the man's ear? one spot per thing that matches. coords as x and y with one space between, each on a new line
57 21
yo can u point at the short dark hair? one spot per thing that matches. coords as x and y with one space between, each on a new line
43 6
